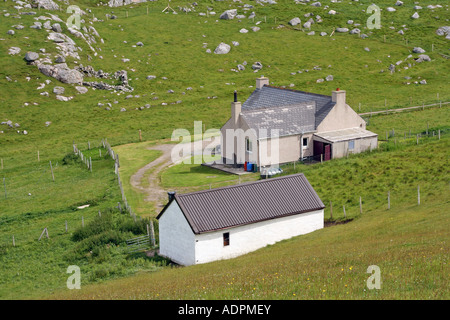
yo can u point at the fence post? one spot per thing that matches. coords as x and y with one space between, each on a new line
389 200
82 221
418 195
4 185
51 168
38 157
345 214
14 241
152 230
360 205
66 225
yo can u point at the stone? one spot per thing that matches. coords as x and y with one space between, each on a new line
81 90
31 56
307 25
415 15
257 66
418 50
399 3
60 59
243 30
329 78
342 30
390 9
222 48
10 32
63 98
255 29
316 4
332 12
14 50
323 33
56 27
228 14
423 81
311 33
423 57
139 44
367 49
295 21
61 72
355 31
46 4
151 77
319 80
235 43
58 90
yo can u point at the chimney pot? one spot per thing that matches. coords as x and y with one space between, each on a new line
235 96
171 195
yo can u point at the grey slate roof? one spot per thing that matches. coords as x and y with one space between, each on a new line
269 97
247 203
288 120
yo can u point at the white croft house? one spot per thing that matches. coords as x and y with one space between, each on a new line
226 222
308 125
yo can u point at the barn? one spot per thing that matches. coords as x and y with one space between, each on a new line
227 222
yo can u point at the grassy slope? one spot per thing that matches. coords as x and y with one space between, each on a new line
407 242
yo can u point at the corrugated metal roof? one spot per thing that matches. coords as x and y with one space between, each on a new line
288 120
270 96
248 203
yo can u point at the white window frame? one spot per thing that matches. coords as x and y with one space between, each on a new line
248 145
307 142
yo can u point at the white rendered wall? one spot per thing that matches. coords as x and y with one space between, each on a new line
176 239
244 239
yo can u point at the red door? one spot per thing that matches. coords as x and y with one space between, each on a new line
327 152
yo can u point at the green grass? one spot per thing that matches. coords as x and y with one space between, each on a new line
407 242
173 48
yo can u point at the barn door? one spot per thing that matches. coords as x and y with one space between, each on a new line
327 152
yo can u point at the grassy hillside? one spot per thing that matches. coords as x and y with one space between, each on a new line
407 242
174 51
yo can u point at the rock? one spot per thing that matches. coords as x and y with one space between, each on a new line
61 72
45 4
390 9
62 98
139 44
350 22
58 90
311 33
415 15
392 68
255 29
423 81
444 31
329 78
295 21
60 59
319 80
123 109
14 50
222 48
342 30
240 67
10 32
307 25
228 14
208 50
31 56
417 7
243 30
56 27
423 57
316 4
235 43
151 77
418 50
401 32
332 12
257 66
323 33
355 31
81 90
367 49
399 3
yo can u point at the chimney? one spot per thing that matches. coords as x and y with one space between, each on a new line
171 195
338 96
260 82
235 109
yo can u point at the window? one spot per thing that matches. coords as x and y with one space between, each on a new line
305 142
248 145
226 239
351 145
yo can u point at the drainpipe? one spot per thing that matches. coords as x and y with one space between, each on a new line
301 146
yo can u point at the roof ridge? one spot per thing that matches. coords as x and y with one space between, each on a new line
299 104
294 90
241 184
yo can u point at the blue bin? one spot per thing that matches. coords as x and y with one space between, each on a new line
249 167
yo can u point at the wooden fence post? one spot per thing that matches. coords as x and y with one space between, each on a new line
51 168
360 205
38 157
389 200
140 135
82 221
345 214
4 185
14 241
2 163
153 234
66 225
418 195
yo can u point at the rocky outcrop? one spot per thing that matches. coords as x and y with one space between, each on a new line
61 72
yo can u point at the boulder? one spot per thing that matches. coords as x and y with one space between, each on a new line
423 57
229 14
14 50
45 4
31 56
58 90
56 27
295 21
81 90
257 66
222 48
62 73
418 50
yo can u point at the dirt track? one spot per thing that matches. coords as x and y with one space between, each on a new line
154 192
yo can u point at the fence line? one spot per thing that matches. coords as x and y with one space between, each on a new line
423 106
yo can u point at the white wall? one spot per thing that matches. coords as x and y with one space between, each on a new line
176 238
244 239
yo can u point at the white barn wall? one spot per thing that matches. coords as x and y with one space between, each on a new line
176 238
244 239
